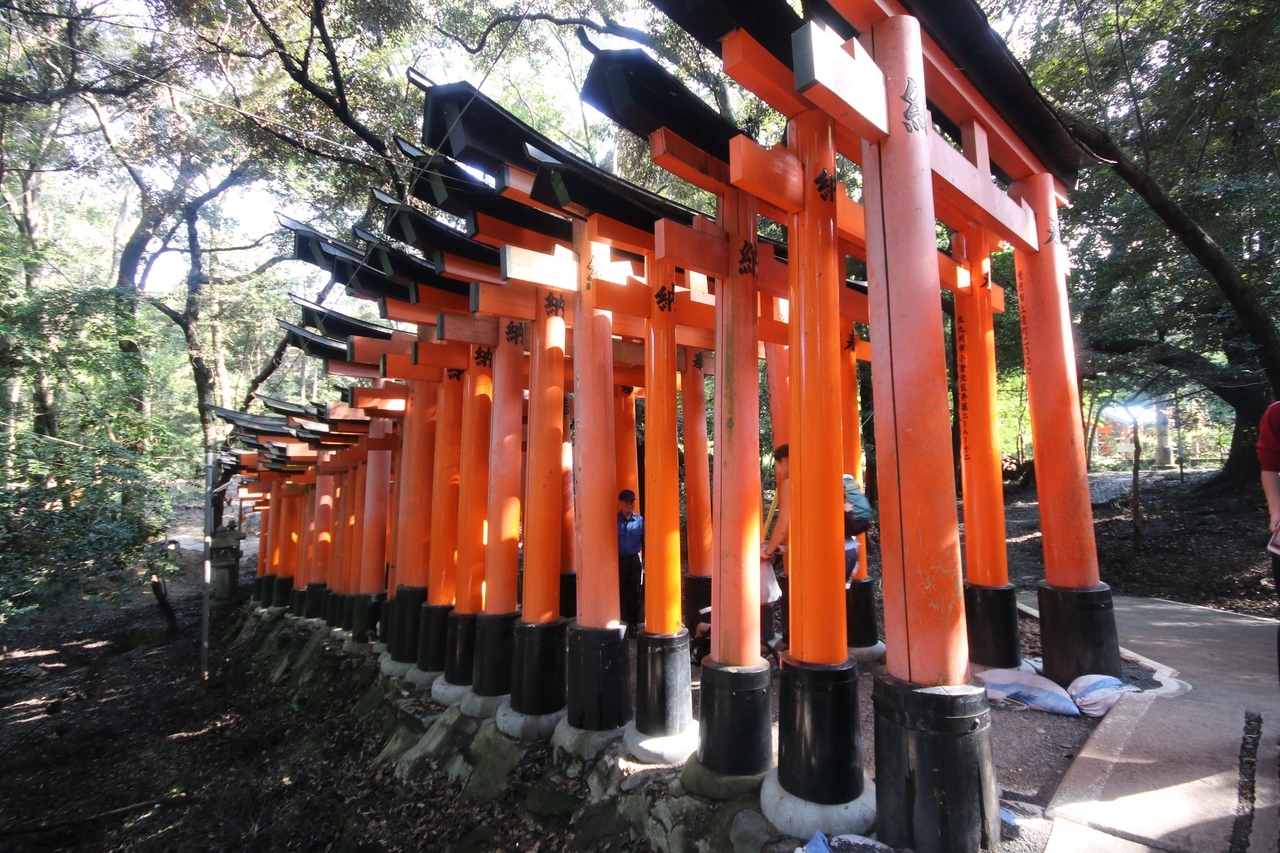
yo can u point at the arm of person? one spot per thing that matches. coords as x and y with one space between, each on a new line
1271 488
781 524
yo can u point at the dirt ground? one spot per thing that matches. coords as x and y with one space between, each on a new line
110 740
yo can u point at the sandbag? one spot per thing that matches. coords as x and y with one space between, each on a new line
1095 695
1025 689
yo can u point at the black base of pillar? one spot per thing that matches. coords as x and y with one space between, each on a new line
1078 633
280 595
432 636
663 685
860 614
935 777
735 717
260 585
348 611
569 595
491 675
377 620
362 617
406 622
697 597
598 666
313 600
333 609
991 613
537 674
819 752
460 647
297 601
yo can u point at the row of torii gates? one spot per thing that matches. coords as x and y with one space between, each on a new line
458 501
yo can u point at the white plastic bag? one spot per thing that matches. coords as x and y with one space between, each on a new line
769 589
1095 695
1013 686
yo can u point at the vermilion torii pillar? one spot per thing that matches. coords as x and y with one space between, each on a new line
597 665
491 675
413 542
697 491
663 730
473 509
924 611
371 576
441 586
538 685
1077 621
991 604
325 518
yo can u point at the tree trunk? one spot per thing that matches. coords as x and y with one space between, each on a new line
1257 324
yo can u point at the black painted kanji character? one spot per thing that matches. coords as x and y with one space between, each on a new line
851 343
515 332
554 305
666 298
826 184
749 257
484 356
455 373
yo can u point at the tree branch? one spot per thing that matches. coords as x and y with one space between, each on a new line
1256 322
610 27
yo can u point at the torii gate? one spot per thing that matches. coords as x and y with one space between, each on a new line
843 98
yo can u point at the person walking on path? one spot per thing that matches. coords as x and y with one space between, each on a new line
630 569
1269 456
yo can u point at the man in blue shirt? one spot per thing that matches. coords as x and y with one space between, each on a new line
630 569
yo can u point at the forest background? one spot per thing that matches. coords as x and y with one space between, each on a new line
144 146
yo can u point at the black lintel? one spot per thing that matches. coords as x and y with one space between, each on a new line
335 325
630 87
463 123
770 22
315 345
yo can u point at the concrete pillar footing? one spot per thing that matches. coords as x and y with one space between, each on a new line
868 654
421 678
583 745
393 668
352 647
520 726
801 818
447 693
661 749
481 707
700 781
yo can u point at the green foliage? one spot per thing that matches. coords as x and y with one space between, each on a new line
73 511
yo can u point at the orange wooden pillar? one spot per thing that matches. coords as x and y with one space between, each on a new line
537 677
919 535
991 604
1076 616
268 560
697 492
289 544
322 566
306 550
371 578
624 412
443 560
819 681
413 508
663 686
473 511
735 705
491 672
597 665
816 561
